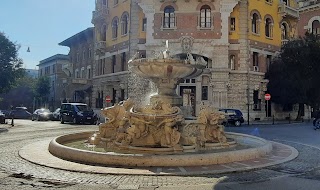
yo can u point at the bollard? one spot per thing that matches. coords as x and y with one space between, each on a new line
272 119
12 121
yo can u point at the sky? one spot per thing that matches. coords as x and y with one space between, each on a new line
42 24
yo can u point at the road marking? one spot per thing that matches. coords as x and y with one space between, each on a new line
242 164
229 167
183 170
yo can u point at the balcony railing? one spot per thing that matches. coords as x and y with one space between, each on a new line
284 42
100 14
79 81
286 10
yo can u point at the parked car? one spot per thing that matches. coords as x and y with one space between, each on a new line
56 115
2 118
316 120
233 116
6 113
77 113
20 113
41 115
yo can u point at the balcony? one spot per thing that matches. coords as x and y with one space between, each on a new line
100 15
67 68
284 42
79 81
100 47
286 10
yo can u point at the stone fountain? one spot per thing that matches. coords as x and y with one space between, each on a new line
157 134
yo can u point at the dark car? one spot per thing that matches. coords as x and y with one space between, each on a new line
316 119
56 115
233 116
6 113
2 118
77 113
41 115
20 113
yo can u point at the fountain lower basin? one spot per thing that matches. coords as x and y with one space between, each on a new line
257 147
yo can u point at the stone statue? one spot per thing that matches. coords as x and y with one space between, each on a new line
211 129
116 116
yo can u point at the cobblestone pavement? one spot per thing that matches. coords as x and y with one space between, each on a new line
17 173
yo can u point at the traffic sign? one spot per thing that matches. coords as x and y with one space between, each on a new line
267 97
108 99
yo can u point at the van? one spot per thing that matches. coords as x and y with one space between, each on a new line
77 113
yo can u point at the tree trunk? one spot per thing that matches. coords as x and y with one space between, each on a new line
300 112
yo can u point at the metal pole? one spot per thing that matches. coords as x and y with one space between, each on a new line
248 104
267 108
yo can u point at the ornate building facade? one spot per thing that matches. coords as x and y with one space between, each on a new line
51 67
79 71
309 17
236 39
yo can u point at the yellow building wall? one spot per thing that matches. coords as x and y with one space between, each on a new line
264 9
234 35
117 11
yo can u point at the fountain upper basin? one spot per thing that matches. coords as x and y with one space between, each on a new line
165 68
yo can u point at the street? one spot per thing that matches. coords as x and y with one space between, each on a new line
300 173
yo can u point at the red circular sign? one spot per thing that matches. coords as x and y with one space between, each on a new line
267 96
108 99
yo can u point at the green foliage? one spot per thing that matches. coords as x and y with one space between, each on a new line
42 88
10 64
20 95
294 74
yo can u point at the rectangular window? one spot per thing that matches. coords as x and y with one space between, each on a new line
123 61
89 73
232 24
256 100
122 95
193 80
144 24
115 2
53 69
204 93
255 59
268 61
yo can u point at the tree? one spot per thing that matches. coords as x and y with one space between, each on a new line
10 64
25 87
294 74
42 89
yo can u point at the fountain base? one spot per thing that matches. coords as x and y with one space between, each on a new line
256 147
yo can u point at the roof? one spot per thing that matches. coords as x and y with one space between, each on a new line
54 57
85 34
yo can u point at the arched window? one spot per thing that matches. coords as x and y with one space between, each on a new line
205 17
124 24
103 33
169 17
231 62
316 27
115 27
268 27
255 23
284 31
